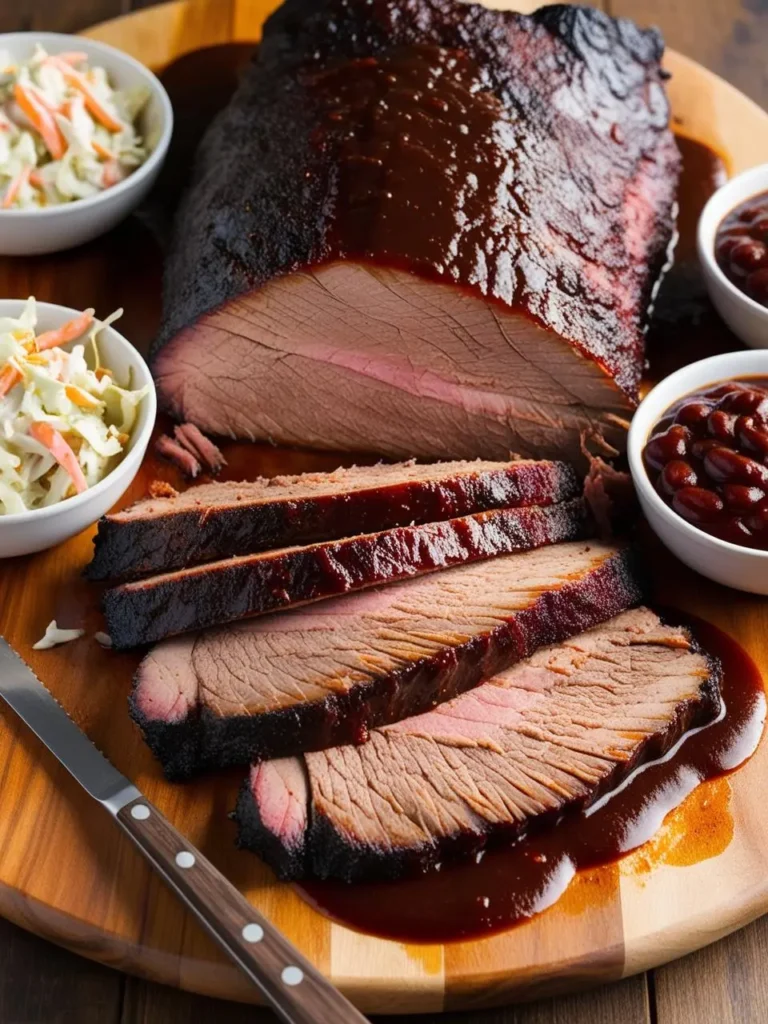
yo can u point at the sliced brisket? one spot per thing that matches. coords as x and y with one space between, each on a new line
237 588
180 456
550 735
424 227
326 674
220 520
197 444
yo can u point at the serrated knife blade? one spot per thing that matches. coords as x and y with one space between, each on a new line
292 985
39 709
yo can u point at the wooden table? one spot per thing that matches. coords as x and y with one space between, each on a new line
724 984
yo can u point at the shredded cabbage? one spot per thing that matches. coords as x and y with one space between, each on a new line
65 133
55 635
64 422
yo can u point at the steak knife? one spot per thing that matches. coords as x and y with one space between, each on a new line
295 989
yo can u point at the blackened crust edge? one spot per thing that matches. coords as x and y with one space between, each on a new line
227 591
324 853
204 741
176 540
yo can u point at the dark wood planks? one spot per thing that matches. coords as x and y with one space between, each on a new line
57 15
42 984
725 983
728 36
626 1002
147 1003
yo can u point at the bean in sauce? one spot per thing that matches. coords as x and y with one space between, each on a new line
708 459
741 247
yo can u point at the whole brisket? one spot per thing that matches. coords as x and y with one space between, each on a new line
326 674
548 736
424 227
148 610
220 520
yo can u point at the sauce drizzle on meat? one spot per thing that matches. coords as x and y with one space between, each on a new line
510 886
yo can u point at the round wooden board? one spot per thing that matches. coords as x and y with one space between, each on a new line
67 873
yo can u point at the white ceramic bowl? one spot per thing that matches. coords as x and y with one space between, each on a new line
746 318
29 232
735 566
41 528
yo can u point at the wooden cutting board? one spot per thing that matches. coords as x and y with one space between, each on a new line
66 872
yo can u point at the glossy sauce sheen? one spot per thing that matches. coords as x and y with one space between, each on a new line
741 247
708 459
434 171
236 588
509 886
685 326
427 117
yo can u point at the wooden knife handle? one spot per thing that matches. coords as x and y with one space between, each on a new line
295 989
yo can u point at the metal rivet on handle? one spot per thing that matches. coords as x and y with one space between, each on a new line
293 975
140 812
253 933
185 859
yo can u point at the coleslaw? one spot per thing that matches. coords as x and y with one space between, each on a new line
65 133
63 424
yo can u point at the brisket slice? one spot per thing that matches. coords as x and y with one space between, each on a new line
220 520
184 460
197 444
326 674
550 735
424 228
236 588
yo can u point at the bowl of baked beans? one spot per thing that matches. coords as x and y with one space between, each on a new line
698 452
732 245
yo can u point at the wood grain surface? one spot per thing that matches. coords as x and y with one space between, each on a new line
37 983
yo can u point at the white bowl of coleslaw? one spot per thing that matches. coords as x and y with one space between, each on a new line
60 95
33 471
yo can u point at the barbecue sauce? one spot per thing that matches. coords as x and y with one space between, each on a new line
509 886
741 247
684 326
708 459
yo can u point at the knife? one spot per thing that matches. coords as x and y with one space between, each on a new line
295 989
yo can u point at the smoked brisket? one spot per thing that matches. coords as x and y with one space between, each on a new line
544 738
213 594
425 228
328 673
221 520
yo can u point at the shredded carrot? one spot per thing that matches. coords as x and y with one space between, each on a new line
42 120
73 56
92 101
102 151
36 179
15 187
9 378
67 332
81 398
60 450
